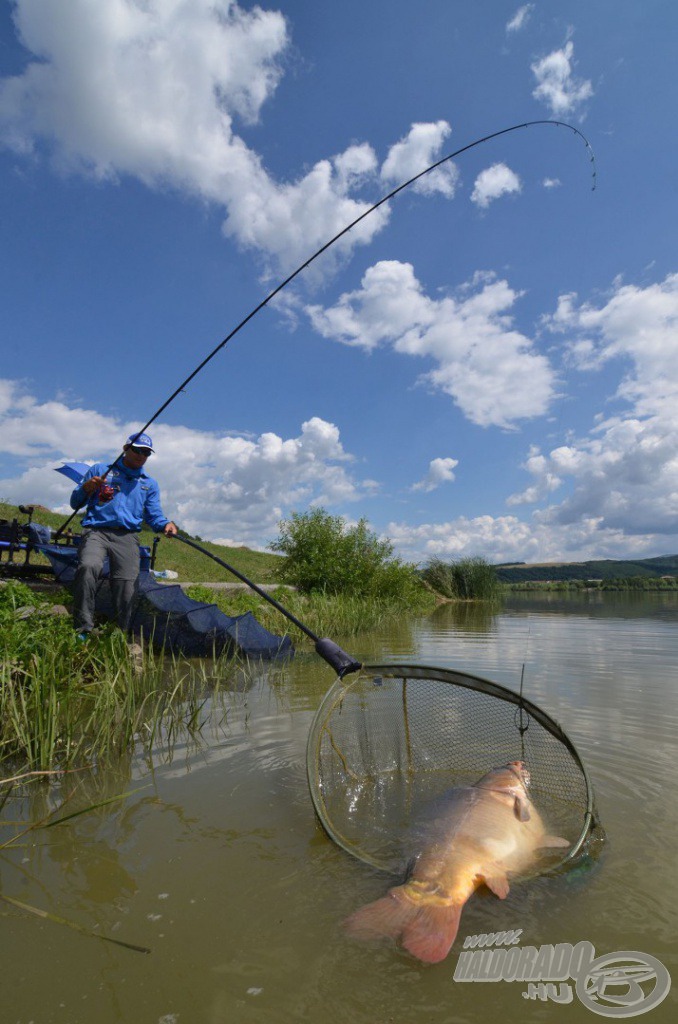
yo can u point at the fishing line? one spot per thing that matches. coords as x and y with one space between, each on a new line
327 245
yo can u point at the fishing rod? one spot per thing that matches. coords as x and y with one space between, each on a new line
339 660
438 163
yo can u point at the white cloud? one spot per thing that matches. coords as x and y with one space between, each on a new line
440 471
556 84
624 474
520 18
636 325
480 360
151 88
420 148
212 484
155 88
509 539
493 182
551 182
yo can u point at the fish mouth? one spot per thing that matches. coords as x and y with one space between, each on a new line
521 771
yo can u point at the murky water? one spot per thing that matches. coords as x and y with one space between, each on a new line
216 863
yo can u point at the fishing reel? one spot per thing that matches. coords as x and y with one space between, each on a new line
105 493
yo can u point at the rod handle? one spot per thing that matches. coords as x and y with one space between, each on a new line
341 662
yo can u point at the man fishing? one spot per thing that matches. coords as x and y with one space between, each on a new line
119 499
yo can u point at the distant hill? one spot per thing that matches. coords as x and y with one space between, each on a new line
605 569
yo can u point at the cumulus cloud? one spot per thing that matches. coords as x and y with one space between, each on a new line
520 18
551 182
213 484
480 360
493 182
636 325
624 474
440 471
420 148
556 85
156 90
509 539
152 89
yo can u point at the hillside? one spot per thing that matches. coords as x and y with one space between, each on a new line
259 566
604 569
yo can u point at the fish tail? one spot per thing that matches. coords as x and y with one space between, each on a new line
425 928
429 936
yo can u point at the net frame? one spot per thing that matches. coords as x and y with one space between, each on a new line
321 739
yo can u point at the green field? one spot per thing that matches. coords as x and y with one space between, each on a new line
191 566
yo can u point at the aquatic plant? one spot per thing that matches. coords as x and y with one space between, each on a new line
469 579
335 615
64 703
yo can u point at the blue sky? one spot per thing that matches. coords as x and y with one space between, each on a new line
488 365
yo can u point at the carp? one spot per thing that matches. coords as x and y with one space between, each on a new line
473 835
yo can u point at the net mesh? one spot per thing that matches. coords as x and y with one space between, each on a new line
385 743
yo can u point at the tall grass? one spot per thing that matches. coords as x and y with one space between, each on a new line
330 615
64 704
469 579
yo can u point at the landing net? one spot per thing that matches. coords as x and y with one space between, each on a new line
387 741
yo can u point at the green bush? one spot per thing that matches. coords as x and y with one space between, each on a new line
323 554
469 579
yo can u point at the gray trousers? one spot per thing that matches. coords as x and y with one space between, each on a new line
122 549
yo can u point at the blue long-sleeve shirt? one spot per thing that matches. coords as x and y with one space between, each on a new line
136 499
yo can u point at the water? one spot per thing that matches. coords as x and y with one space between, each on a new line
217 864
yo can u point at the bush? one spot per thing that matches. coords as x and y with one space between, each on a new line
466 580
323 554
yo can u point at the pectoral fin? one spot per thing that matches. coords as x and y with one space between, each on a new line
496 880
521 808
554 841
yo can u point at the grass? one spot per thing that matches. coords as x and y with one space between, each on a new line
469 579
191 566
65 704
324 614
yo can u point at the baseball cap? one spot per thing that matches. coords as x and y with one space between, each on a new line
140 441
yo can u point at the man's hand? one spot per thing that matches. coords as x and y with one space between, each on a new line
92 485
170 530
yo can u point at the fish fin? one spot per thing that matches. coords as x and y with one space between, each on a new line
385 918
521 808
496 881
554 841
430 935
426 930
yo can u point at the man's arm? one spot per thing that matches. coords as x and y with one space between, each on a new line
154 515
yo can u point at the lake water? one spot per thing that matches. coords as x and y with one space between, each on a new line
216 861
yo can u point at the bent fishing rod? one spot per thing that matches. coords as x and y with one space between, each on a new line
339 660
366 213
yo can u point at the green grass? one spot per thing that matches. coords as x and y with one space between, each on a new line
65 704
333 615
259 566
469 579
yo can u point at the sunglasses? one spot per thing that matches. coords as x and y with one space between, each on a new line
141 451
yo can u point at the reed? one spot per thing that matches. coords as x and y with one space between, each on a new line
64 704
333 615
469 579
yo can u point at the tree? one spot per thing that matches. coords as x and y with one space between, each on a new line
323 554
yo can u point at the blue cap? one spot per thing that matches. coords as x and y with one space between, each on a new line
140 441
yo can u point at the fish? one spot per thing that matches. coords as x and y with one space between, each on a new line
474 835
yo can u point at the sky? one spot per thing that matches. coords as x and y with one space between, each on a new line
487 365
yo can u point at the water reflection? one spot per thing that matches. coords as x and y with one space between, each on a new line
218 864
